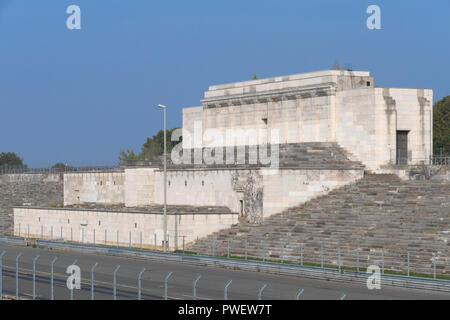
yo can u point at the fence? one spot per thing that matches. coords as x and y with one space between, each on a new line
20 169
92 288
414 261
393 260
441 160
400 157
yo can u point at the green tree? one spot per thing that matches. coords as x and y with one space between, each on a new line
11 160
254 77
128 155
153 147
441 125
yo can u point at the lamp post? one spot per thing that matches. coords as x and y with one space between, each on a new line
165 178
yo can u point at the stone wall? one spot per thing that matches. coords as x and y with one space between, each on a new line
139 187
304 171
375 213
27 189
329 106
198 188
79 225
288 188
98 187
367 121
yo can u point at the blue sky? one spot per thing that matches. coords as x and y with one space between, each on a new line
80 96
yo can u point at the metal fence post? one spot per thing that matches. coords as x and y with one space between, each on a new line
408 264
94 237
92 280
166 279
434 266
140 283
19 229
52 296
321 255
140 239
382 261
298 294
42 232
263 256
282 253
34 276
194 287
301 255
197 245
225 290
212 247
117 238
228 249
61 233
115 283
28 226
51 233
261 290
155 241
129 244
245 249
71 234
339 259
17 275
183 243
106 236
1 274
357 260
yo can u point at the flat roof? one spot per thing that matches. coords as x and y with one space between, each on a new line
298 76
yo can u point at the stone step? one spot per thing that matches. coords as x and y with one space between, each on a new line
378 212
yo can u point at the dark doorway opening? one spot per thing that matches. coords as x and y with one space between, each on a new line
241 209
402 147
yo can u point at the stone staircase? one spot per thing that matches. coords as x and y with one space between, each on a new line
305 155
378 215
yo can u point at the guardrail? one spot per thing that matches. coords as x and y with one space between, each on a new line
252 265
74 282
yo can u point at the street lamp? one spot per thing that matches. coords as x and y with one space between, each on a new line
165 178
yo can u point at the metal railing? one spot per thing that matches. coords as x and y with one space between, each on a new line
286 251
25 170
47 283
322 262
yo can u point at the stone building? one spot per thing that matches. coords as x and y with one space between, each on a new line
254 149
378 126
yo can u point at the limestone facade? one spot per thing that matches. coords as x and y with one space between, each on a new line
326 106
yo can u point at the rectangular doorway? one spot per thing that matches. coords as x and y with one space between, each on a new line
402 147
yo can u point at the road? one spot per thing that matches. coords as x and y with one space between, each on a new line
245 285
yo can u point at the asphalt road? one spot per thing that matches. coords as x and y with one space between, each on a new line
245 285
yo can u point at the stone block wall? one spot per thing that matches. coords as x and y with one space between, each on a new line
98 187
288 188
85 225
139 187
316 107
27 189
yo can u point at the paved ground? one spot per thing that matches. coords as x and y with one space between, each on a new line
245 285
